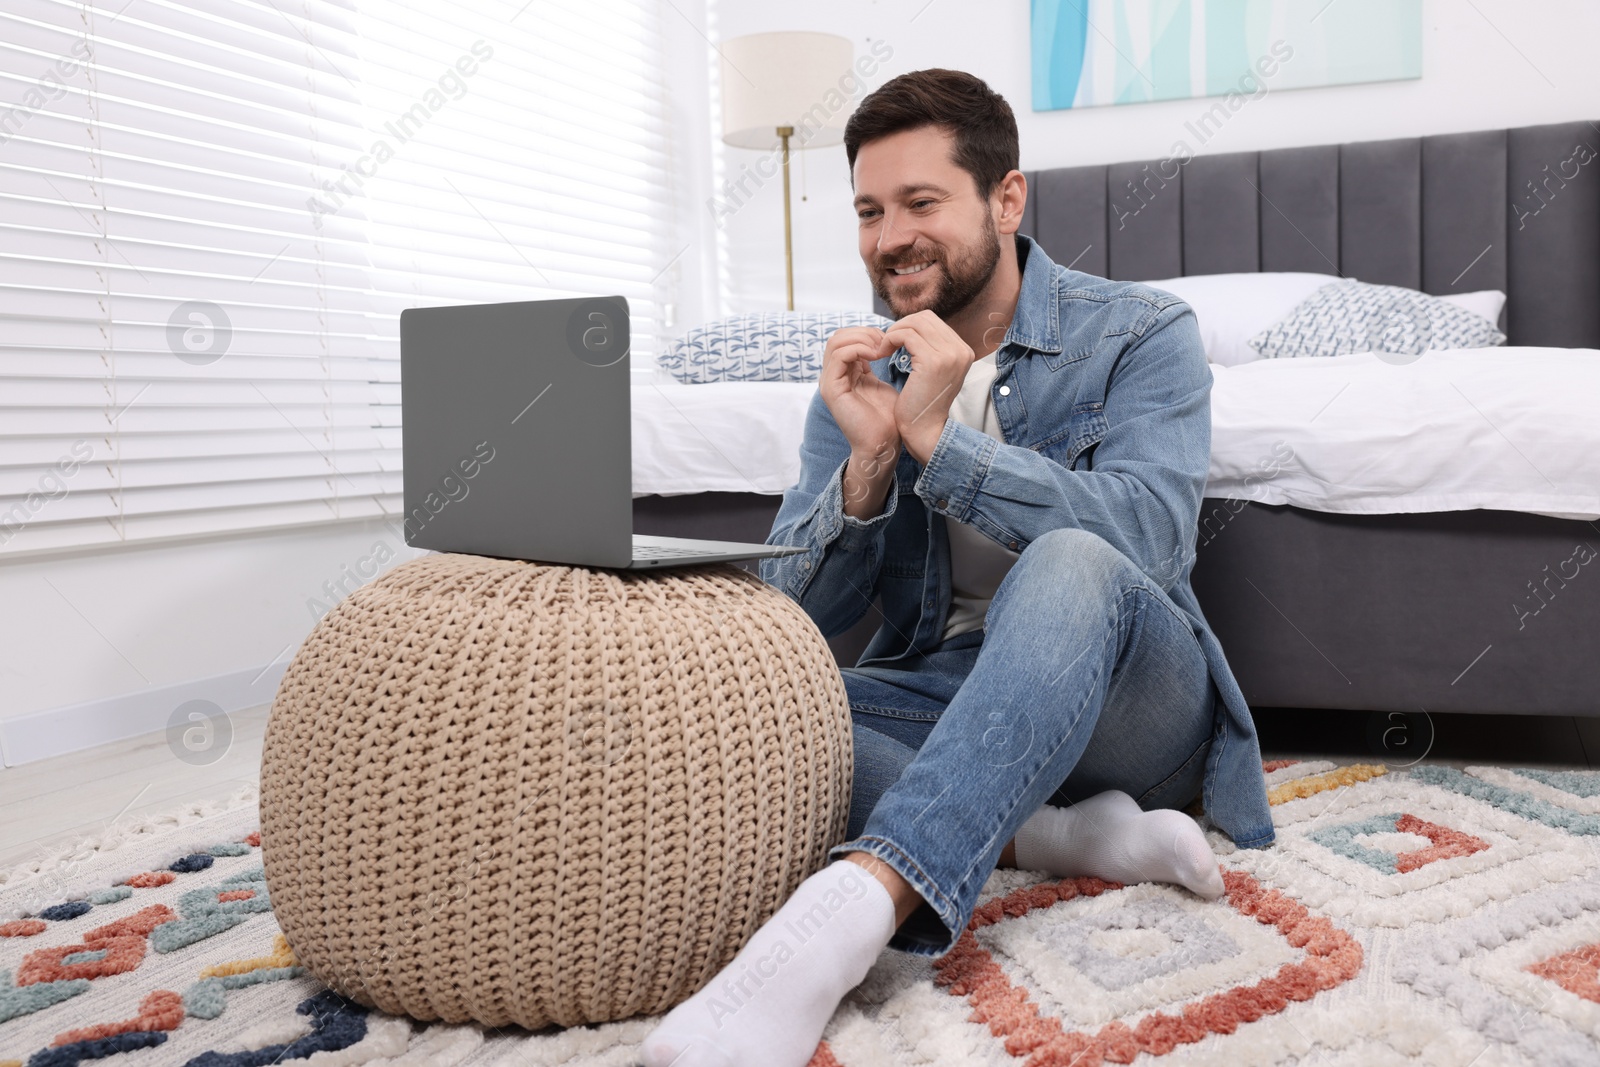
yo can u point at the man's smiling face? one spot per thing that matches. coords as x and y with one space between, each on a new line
928 238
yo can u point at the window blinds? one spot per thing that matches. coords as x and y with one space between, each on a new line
212 214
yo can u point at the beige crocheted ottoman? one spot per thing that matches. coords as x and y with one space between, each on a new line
517 793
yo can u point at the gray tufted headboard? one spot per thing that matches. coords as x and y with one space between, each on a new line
1516 210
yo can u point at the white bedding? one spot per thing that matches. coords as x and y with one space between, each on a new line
729 437
1514 429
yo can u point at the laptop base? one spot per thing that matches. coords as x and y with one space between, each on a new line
651 553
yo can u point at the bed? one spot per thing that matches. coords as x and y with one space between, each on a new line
1433 545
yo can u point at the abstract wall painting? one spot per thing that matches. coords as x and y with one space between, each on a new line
1088 53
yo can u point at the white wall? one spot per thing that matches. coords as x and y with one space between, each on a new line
1487 65
111 642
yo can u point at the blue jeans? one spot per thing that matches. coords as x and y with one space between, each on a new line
1086 677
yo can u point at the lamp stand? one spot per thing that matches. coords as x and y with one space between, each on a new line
784 133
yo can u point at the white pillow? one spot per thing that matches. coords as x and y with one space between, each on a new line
1232 308
1485 302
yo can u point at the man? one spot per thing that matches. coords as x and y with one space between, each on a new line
1015 467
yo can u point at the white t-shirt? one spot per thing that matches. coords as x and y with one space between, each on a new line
977 564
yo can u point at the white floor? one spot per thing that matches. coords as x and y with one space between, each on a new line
69 797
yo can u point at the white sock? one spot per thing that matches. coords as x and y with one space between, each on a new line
1109 836
771 1004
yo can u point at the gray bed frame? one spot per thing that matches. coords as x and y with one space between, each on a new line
1468 611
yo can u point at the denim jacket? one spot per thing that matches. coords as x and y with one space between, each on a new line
1103 398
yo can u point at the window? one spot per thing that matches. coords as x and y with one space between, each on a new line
213 213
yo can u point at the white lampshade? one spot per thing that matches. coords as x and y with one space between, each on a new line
804 80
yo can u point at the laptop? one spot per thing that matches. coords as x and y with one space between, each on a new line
516 437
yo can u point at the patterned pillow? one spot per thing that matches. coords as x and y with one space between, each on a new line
768 346
1351 316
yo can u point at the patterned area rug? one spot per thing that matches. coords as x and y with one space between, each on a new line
1419 916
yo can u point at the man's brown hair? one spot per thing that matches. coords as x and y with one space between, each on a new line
981 121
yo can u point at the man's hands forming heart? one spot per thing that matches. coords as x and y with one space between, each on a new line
876 419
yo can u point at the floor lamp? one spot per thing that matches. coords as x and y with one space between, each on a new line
792 87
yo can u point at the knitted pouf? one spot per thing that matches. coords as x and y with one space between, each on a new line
517 793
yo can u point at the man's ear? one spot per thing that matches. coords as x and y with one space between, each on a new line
1011 197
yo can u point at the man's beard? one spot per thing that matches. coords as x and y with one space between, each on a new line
960 279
